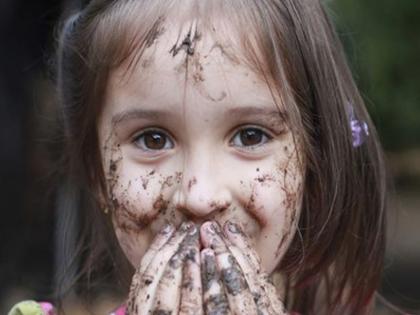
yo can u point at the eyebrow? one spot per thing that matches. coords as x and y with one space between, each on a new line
137 113
154 114
257 111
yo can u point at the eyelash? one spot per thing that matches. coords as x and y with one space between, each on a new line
155 131
265 135
151 131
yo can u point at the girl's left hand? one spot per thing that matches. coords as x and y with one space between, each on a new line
232 278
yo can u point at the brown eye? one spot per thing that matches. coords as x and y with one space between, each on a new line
249 137
153 140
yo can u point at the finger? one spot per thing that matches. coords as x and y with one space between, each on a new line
238 238
161 239
265 294
240 298
191 292
214 298
145 290
169 289
274 298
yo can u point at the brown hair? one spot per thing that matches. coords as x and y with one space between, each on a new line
335 261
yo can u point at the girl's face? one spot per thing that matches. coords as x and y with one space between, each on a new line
193 134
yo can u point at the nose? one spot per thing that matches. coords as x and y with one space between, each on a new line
204 190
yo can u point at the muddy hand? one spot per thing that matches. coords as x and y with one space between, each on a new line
248 288
156 285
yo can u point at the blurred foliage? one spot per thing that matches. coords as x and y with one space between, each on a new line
382 40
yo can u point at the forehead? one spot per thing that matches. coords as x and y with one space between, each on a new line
188 63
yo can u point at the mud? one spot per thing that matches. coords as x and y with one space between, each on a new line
148 281
156 31
216 305
198 78
265 179
161 205
225 51
250 206
208 272
219 206
167 182
178 177
222 96
233 278
198 73
187 280
191 255
187 44
191 183
187 249
144 182
292 190
176 261
111 176
234 228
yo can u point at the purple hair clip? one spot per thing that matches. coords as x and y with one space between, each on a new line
359 128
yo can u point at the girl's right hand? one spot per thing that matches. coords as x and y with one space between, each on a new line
168 280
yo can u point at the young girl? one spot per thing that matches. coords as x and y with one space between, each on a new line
225 150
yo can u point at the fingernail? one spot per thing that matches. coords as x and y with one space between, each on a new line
186 226
192 230
210 228
216 227
207 252
233 228
167 228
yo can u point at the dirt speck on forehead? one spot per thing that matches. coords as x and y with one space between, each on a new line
157 30
187 44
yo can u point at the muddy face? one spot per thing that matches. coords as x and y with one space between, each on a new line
196 135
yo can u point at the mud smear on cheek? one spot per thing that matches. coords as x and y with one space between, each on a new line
291 187
145 179
160 205
191 183
265 179
127 220
252 208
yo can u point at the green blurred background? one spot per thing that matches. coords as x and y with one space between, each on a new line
382 40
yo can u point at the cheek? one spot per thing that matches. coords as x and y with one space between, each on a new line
137 203
134 245
277 203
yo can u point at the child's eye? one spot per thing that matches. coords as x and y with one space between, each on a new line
250 137
153 140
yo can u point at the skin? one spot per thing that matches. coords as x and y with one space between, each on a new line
201 170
